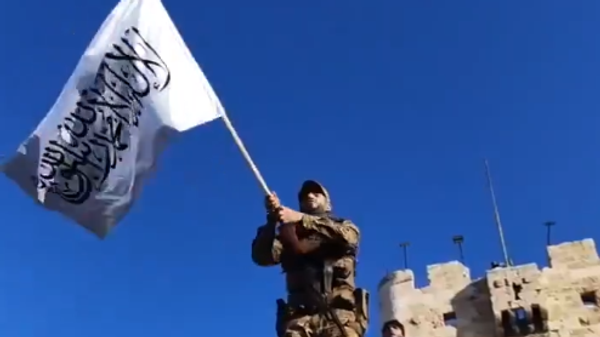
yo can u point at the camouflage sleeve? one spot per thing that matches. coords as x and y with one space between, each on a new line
266 247
346 230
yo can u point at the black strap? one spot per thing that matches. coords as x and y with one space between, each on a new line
326 294
327 279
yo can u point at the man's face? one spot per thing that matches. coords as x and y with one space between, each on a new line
396 331
393 330
314 201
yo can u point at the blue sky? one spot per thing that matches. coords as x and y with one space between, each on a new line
391 104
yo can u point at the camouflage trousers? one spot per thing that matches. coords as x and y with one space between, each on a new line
319 326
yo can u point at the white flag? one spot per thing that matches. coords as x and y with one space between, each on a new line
135 85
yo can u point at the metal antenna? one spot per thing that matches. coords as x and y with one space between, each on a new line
496 214
458 240
549 225
404 246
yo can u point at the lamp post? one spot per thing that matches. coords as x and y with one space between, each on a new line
458 240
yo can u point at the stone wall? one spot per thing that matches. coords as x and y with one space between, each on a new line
559 301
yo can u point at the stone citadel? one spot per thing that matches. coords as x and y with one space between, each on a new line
562 300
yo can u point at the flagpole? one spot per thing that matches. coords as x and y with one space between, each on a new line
245 154
497 215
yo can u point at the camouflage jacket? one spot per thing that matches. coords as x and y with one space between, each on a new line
325 238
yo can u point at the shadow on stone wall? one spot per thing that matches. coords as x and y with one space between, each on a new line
472 307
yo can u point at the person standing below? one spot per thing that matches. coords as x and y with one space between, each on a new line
393 328
317 252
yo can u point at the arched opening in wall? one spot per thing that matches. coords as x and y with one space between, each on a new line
507 324
516 322
589 300
522 321
538 317
450 319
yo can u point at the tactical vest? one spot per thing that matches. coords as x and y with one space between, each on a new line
314 274
311 278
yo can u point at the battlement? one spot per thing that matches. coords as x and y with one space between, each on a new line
441 275
574 255
560 300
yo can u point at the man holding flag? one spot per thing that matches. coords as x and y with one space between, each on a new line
134 87
317 252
